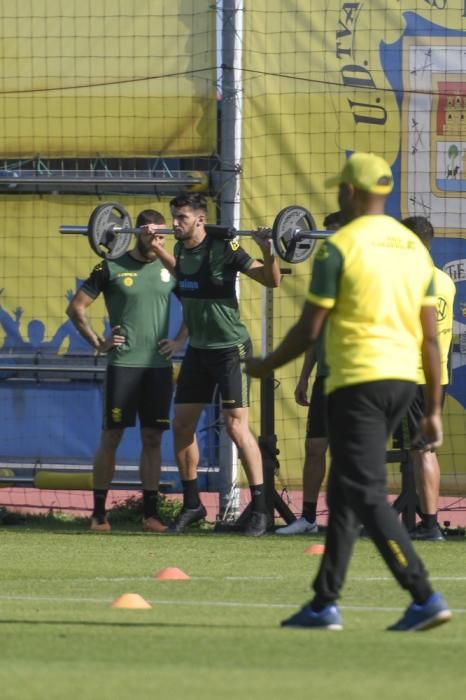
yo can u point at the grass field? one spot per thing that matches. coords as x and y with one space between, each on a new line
216 635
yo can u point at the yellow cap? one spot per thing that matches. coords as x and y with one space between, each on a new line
367 172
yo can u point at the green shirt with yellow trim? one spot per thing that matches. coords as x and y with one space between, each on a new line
137 298
374 275
206 286
446 290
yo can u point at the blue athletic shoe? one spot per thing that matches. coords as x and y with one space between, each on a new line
329 618
434 612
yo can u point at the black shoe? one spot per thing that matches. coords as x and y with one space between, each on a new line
257 524
187 516
431 534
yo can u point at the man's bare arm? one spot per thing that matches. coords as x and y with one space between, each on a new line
76 312
431 424
267 272
300 393
300 337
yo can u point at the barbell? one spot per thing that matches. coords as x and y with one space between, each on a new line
109 232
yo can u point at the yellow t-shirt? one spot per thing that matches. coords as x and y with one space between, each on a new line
445 289
375 275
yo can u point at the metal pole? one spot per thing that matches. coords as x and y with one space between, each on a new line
268 437
230 150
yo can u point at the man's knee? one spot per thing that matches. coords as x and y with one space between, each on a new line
111 438
237 427
151 438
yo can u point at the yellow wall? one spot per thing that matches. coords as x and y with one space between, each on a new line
127 78
315 87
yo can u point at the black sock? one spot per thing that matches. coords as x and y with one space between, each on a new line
429 521
100 496
150 504
191 494
309 511
258 498
317 604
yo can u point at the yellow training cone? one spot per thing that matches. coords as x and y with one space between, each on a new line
171 573
131 601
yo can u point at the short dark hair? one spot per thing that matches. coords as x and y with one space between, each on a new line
195 200
421 227
149 216
335 219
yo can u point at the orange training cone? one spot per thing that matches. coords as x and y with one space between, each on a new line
131 601
315 549
171 573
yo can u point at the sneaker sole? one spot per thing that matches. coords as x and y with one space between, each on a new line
172 530
330 628
439 619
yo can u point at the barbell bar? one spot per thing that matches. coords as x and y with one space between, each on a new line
109 232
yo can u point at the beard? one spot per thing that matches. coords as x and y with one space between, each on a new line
145 250
183 235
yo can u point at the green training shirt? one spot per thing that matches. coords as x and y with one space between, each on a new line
206 286
137 297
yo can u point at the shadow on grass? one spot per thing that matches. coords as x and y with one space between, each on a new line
96 623
76 527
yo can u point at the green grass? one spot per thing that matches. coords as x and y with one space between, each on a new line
216 635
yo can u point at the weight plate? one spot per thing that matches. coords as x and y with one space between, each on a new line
102 238
289 222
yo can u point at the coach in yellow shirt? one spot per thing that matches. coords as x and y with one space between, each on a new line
373 284
425 463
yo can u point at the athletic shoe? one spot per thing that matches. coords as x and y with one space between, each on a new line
153 525
100 524
298 527
416 618
432 534
187 516
256 525
328 619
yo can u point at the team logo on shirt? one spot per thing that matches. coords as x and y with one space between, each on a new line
128 281
234 245
164 275
441 309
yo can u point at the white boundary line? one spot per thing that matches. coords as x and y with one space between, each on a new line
203 603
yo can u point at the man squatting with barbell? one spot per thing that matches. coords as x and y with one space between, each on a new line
206 269
136 288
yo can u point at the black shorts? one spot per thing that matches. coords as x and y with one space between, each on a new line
316 426
408 428
137 391
203 370
361 419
